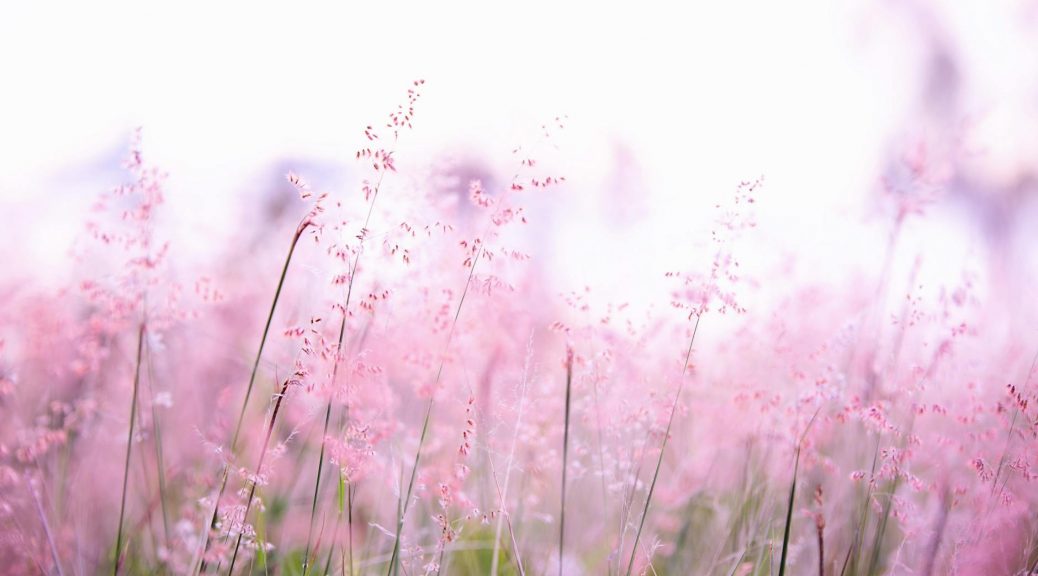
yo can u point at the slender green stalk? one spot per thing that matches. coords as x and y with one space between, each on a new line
317 482
159 458
663 447
248 391
847 559
338 358
789 516
425 421
565 457
328 408
129 447
350 493
266 331
859 532
259 468
428 412
881 530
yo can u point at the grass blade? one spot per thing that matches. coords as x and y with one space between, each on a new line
663 448
789 516
425 422
159 458
248 390
565 456
129 450
259 468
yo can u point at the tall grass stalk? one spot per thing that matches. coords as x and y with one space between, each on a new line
335 367
503 492
853 557
663 447
129 450
160 463
394 556
881 529
565 456
259 468
248 390
792 492
789 515
821 549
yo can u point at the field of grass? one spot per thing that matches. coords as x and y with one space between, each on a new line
379 380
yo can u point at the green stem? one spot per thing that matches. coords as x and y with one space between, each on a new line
259 469
565 457
129 446
248 391
425 422
789 516
663 448
159 458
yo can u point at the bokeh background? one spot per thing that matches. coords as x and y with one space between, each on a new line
887 148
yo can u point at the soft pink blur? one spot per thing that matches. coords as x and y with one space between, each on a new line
843 199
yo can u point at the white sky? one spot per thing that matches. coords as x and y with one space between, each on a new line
809 94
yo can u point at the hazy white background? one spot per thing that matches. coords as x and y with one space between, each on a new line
674 103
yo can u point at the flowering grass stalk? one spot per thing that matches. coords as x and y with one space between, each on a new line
663 446
335 374
383 163
248 390
259 468
502 493
406 501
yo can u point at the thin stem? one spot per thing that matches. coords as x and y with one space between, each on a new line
317 482
349 523
248 391
663 447
328 408
789 516
259 467
821 551
266 331
159 458
428 414
565 457
338 357
129 446
503 493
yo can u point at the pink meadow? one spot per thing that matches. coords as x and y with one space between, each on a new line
422 361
